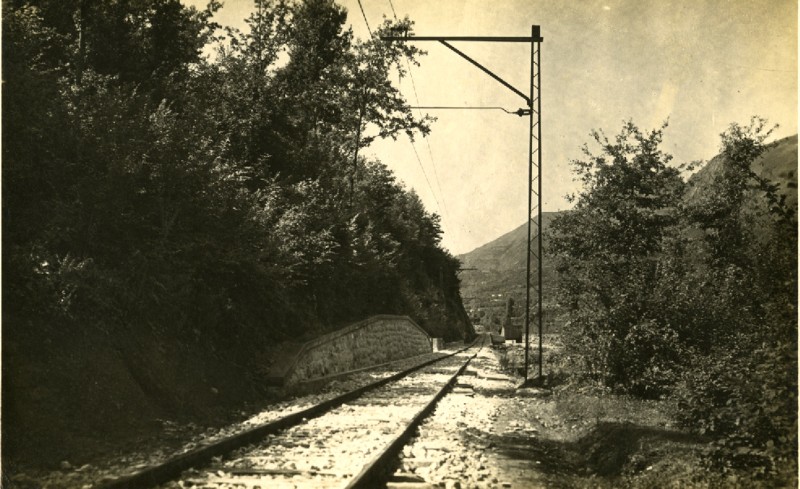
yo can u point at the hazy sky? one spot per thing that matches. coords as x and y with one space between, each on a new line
701 63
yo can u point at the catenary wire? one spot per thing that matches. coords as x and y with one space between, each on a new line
413 146
466 107
425 174
365 18
427 143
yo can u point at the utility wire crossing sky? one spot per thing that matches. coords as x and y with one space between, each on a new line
700 64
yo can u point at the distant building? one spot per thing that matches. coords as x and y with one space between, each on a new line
512 329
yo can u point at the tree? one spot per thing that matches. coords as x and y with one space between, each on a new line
153 196
689 293
742 389
607 250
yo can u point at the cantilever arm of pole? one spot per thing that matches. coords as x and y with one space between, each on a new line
488 72
443 39
407 38
519 112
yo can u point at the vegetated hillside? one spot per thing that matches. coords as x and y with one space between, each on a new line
500 263
170 219
500 274
508 252
778 165
689 295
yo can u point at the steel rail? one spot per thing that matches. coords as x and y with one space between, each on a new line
173 467
378 470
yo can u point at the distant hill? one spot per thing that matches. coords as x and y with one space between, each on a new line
500 273
500 264
506 252
778 164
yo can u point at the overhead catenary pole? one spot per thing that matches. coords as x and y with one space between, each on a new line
528 241
536 119
534 248
534 104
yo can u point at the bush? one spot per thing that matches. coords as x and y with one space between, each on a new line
695 296
650 352
746 400
607 250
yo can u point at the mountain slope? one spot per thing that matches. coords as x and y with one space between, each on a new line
500 264
506 252
500 274
778 165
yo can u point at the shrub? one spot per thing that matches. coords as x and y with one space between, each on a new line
746 400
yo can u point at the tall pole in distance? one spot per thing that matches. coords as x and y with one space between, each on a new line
530 203
538 84
534 111
534 200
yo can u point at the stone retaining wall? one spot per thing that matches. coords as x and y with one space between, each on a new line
374 341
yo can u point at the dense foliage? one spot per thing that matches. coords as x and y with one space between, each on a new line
607 248
147 186
688 292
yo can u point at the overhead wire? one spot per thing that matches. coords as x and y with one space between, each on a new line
416 153
519 112
365 18
393 11
425 174
427 143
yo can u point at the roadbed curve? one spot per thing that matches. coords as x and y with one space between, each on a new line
327 451
180 438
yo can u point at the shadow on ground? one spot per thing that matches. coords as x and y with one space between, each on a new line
605 450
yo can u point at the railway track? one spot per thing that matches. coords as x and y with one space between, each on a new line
351 441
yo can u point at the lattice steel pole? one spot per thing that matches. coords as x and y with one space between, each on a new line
534 200
534 111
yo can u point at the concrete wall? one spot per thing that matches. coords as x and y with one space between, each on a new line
371 342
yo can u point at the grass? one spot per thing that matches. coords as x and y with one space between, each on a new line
609 440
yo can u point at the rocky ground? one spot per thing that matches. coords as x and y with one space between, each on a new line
491 433
488 433
176 438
